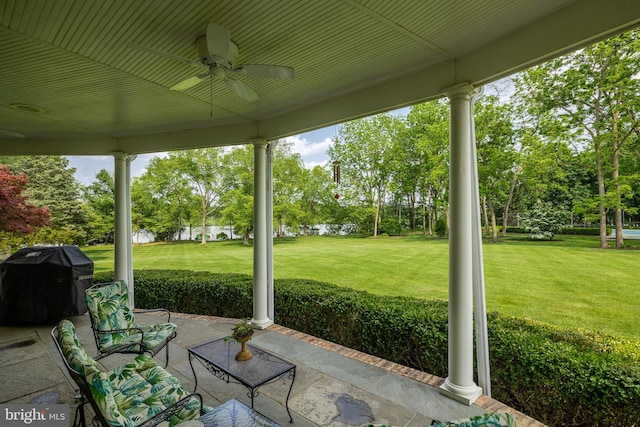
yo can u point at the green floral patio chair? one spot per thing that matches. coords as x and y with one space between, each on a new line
497 419
139 393
114 326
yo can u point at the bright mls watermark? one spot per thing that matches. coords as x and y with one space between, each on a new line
12 415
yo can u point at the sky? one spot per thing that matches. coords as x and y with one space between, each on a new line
312 147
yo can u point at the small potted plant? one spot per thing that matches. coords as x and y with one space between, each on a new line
241 333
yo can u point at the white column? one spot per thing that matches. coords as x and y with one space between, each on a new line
260 317
122 244
459 384
269 226
479 298
130 234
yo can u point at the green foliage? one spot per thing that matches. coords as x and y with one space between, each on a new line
100 198
544 220
53 186
365 148
162 200
582 231
241 330
558 376
441 227
572 231
563 376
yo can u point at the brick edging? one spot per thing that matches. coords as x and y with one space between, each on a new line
485 402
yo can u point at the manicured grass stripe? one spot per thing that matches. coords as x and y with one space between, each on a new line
569 283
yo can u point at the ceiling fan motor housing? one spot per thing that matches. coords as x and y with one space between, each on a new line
210 58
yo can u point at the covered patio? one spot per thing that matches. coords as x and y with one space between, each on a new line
334 386
102 78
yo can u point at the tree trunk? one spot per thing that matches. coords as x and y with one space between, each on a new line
601 193
424 218
203 239
485 216
430 213
412 202
376 219
446 215
509 198
615 174
245 238
494 226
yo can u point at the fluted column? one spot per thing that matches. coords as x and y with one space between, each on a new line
122 246
459 383
260 295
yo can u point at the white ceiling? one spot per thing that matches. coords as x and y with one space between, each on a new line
352 58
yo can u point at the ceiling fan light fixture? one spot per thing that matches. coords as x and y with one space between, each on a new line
217 72
218 54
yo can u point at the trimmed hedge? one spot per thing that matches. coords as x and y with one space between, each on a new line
583 231
576 231
558 376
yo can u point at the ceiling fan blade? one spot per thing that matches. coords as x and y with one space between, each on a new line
190 82
261 70
218 41
167 55
241 89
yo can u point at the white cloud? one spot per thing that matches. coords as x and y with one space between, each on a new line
313 164
308 148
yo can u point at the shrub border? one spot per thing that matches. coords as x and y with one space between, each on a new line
558 376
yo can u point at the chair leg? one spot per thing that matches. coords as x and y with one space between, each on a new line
166 363
80 410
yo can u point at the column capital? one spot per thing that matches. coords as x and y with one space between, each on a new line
259 142
120 155
462 89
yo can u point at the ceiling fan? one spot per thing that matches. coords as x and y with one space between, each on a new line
218 54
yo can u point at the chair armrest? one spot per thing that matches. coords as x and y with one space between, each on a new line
151 310
172 410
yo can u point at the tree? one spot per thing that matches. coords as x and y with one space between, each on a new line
162 200
316 196
544 220
288 181
17 215
237 202
52 185
100 196
428 134
595 91
496 155
203 170
364 148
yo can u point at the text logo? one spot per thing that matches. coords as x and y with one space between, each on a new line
12 415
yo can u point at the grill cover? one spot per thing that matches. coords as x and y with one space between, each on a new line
44 284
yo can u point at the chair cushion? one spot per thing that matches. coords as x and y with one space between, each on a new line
76 355
154 335
109 306
498 419
109 309
136 391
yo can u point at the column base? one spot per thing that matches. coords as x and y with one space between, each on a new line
466 395
261 324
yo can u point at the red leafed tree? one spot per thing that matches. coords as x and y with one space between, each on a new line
16 215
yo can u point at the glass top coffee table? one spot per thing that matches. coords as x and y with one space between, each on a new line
264 368
235 413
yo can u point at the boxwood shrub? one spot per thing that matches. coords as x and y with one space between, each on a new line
558 376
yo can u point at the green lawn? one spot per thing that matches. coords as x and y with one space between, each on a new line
569 282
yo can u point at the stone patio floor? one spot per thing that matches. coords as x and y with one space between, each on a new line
334 385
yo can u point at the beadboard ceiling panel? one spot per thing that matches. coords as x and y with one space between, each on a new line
77 63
